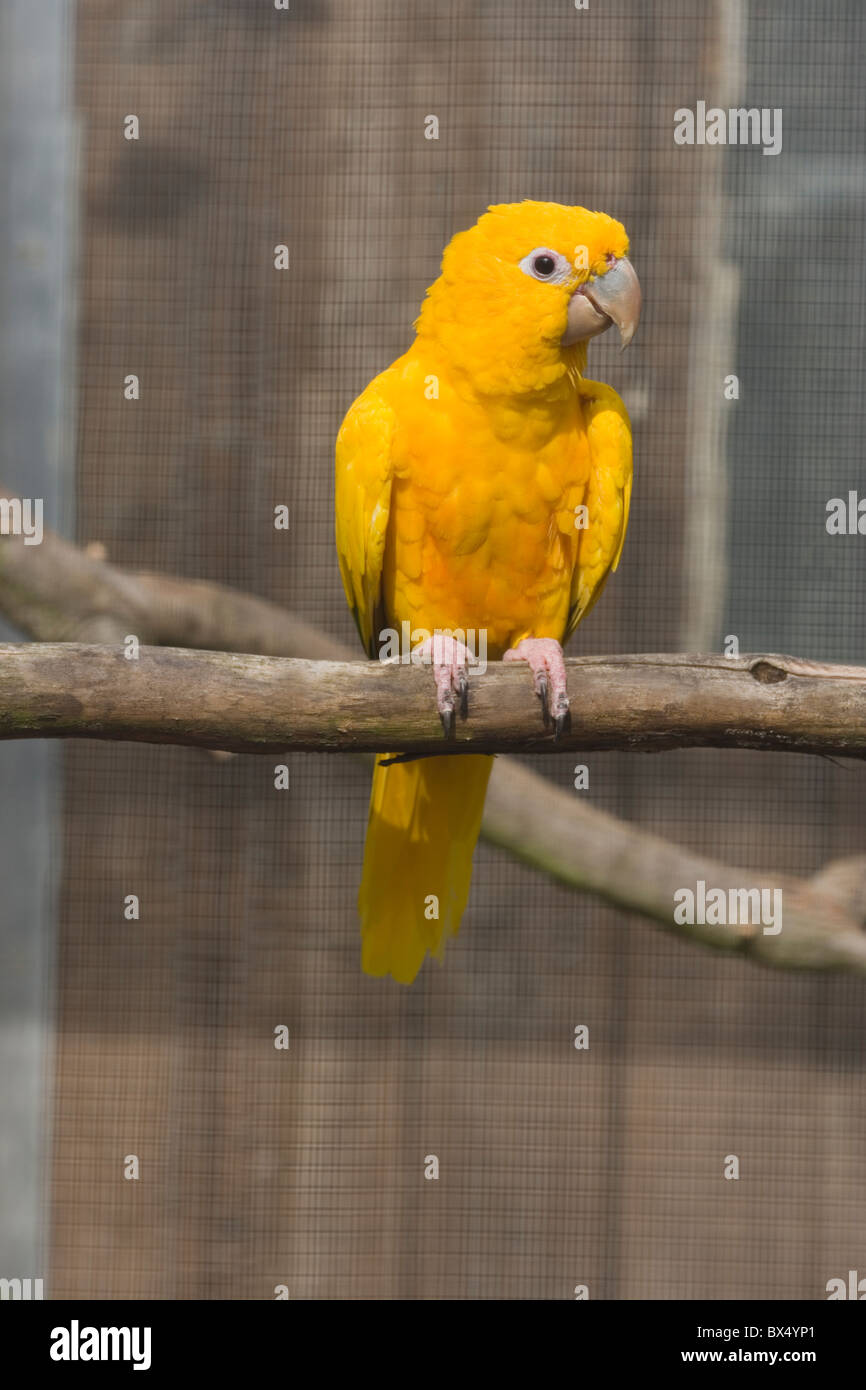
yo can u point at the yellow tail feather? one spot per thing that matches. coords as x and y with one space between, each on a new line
424 821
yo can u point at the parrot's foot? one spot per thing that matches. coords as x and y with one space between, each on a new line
544 657
450 661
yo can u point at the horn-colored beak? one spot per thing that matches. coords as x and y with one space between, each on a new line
613 297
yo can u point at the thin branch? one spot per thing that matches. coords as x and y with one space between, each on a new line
822 919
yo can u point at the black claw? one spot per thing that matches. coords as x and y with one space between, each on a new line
543 691
463 691
447 717
560 723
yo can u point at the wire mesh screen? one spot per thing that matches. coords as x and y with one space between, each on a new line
604 1167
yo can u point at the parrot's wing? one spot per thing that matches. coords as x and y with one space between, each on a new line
362 504
607 498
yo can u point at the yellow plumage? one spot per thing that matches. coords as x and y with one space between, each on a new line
463 472
424 820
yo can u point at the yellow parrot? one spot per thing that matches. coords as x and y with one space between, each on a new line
482 485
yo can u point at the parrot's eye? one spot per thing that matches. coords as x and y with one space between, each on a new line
544 264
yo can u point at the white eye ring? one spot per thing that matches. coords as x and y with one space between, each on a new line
536 266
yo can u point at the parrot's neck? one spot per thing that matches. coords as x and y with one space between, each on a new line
504 356
574 358
547 373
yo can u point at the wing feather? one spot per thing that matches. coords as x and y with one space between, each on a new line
364 477
607 499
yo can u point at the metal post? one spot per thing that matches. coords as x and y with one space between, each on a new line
38 171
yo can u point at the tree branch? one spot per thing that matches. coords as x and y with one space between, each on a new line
258 704
57 592
584 848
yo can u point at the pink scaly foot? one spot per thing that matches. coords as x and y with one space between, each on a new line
544 657
450 660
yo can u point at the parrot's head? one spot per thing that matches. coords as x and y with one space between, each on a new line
522 292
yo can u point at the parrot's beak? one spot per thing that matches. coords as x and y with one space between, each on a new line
613 297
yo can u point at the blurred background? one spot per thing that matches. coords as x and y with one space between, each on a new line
155 257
